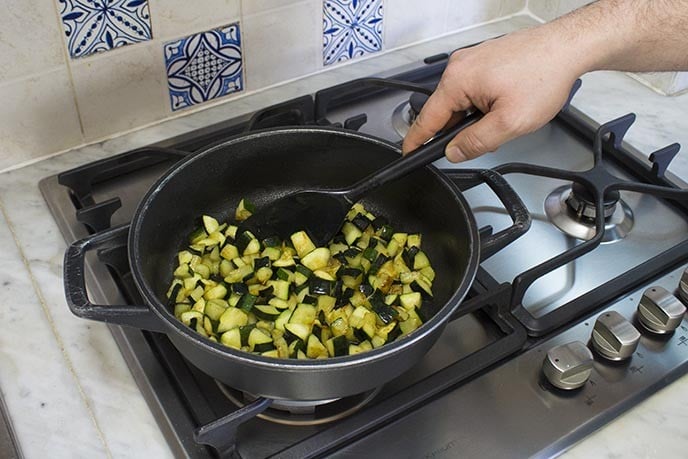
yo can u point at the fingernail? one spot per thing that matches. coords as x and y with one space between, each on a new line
454 154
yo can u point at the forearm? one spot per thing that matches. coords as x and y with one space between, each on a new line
520 81
628 35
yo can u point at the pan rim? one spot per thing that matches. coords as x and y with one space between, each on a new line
173 325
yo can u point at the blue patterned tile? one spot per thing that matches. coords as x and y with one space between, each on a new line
93 26
351 28
204 66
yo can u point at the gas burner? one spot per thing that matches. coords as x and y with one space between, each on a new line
581 202
303 413
571 209
405 114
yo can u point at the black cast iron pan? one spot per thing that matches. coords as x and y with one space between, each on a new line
263 166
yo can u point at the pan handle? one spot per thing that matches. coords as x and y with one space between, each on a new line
75 287
492 243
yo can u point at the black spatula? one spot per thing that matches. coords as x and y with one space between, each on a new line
321 212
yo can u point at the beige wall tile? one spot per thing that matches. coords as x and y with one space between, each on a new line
38 117
257 6
281 44
550 9
464 13
121 89
30 38
408 22
177 18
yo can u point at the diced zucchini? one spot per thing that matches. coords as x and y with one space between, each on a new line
420 261
377 341
320 286
303 314
422 286
351 232
410 300
252 247
244 210
323 275
219 291
184 257
180 308
282 319
182 271
197 293
196 236
286 258
263 274
317 259
271 242
361 222
210 224
275 354
295 300
302 243
338 346
300 331
232 318
410 324
243 273
413 240
231 231
231 338
266 312
315 349
336 248
225 268
215 308
326 303
285 275
188 316
428 273
273 253
280 289
246 302
260 341
279 303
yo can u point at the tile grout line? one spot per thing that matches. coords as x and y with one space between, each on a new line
58 338
68 65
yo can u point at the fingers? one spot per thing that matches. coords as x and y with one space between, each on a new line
438 111
493 130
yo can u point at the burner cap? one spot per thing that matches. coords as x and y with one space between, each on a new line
574 215
582 202
303 413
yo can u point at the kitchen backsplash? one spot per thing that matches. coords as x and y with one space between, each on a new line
77 71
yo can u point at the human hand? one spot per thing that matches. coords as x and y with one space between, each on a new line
519 81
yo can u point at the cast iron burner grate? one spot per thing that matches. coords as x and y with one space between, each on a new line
296 413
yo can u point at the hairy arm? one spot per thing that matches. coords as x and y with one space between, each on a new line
520 81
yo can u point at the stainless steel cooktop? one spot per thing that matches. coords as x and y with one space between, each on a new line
484 376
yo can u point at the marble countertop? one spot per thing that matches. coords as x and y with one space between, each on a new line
68 389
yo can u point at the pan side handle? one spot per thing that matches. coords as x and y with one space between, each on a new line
137 316
492 243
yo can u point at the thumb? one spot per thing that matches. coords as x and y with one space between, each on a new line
484 136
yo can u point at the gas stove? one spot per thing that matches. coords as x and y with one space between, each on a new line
576 321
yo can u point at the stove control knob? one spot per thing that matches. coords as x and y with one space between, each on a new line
568 366
613 337
683 287
659 311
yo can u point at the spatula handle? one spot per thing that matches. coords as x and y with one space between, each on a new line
420 157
